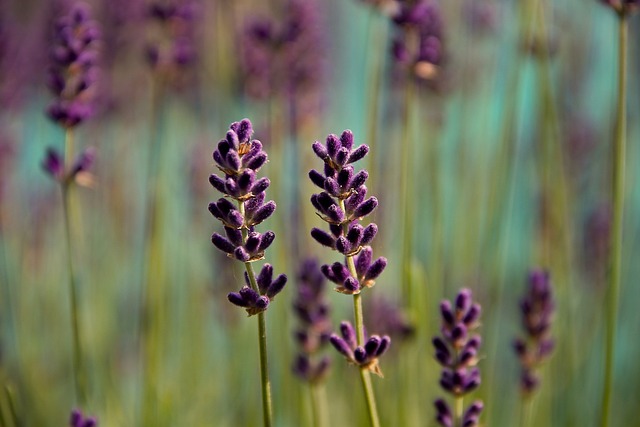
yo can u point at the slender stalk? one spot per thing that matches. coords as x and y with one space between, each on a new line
319 405
365 375
151 310
405 186
618 175
78 362
525 411
459 408
267 410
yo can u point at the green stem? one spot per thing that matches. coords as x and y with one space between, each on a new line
319 405
459 408
618 190
525 411
78 363
152 309
267 410
406 202
365 375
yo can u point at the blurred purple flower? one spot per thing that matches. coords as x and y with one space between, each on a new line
537 309
173 46
286 57
622 7
78 172
77 419
73 72
388 318
419 40
312 311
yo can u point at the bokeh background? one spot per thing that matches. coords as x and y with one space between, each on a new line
490 156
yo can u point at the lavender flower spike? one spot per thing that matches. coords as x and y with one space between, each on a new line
77 419
343 204
537 311
239 158
366 356
457 352
312 311
73 72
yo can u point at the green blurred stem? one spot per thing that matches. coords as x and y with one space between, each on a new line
406 201
525 411
78 364
365 375
267 410
319 405
459 408
619 148
152 289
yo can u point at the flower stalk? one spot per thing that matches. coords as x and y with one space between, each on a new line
618 190
239 158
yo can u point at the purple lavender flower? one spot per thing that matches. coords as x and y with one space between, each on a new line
73 72
78 172
537 311
173 47
77 419
286 57
240 158
388 319
419 38
366 355
343 204
457 352
312 311
623 7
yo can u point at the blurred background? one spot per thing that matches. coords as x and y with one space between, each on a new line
490 124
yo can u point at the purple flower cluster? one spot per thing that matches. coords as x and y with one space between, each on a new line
312 311
78 172
419 39
457 352
365 356
77 419
623 7
342 204
285 58
389 319
240 158
537 311
174 44
73 71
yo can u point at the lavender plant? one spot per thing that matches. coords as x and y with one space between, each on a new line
72 78
312 311
77 419
457 352
623 10
537 308
240 158
343 203
172 47
419 40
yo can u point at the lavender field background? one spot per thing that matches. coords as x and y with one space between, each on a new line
490 156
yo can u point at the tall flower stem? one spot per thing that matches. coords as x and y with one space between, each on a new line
459 409
618 175
78 363
318 405
267 410
151 310
405 186
365 375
